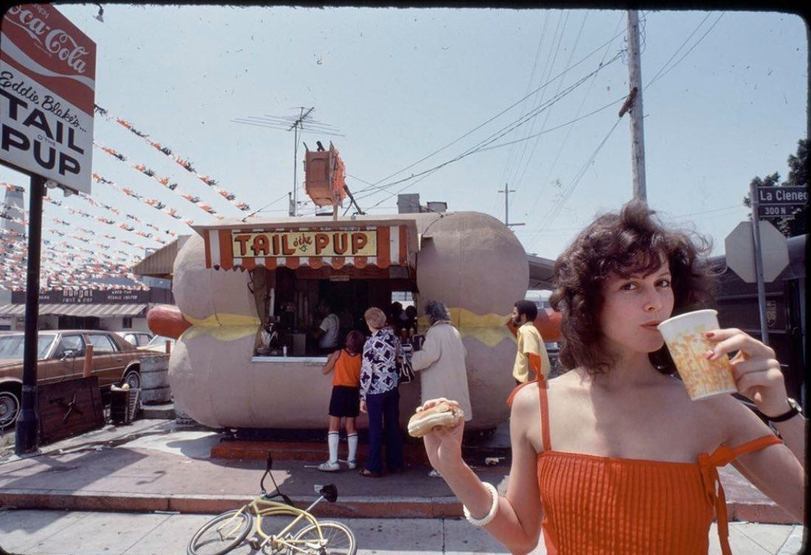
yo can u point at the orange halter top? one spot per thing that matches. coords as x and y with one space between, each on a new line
600 505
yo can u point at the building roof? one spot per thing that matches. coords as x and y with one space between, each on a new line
160 263
83 310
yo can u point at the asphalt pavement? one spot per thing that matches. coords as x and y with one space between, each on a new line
94 533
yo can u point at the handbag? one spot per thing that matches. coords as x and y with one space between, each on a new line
404 369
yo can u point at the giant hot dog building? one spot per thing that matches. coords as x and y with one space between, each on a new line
234 276
231 277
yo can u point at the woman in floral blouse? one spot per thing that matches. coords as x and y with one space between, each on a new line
379 396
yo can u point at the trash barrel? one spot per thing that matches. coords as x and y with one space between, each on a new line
155 380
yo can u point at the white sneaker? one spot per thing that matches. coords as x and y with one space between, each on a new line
329 466
434 474
351 465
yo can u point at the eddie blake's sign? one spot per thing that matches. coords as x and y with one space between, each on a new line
47 91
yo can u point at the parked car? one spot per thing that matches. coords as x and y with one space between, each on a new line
135 338
158 344
61 357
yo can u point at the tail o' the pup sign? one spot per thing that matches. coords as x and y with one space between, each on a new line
47 90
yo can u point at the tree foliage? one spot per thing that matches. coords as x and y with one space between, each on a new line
797 223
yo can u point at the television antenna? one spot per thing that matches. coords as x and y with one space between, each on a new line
299 124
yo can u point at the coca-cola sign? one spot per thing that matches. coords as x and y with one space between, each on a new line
47 93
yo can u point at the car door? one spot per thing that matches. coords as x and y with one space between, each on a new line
108 361
66 362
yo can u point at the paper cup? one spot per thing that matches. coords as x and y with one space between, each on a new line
684 336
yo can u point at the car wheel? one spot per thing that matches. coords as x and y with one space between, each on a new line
133 378
9 408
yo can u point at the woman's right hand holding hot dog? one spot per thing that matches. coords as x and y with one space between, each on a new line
443 445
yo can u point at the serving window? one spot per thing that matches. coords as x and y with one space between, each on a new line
293 303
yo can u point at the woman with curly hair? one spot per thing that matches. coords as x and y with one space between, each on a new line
613 456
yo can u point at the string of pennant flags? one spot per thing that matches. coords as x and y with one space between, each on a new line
181 161
163 181
64 268
75 211
109 221
82 265
151 202
17 240
107 207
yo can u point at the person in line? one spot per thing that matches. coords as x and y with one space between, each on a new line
613 456
345 400
379 396
396 317
441 362
411 318
531 359
327 331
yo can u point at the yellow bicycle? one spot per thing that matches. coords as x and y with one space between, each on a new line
303 533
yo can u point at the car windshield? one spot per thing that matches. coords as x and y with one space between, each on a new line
158 340
12 346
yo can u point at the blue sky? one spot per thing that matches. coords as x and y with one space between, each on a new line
724 101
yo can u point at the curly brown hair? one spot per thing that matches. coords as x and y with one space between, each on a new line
630 242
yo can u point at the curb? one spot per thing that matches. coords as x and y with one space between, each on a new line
346 507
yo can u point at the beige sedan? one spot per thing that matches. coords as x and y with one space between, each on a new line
61 357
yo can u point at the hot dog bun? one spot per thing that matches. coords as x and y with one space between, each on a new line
443 414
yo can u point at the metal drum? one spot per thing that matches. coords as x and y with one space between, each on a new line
155 380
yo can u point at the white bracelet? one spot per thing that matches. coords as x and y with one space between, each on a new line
486 519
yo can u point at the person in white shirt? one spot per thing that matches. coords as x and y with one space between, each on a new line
328 330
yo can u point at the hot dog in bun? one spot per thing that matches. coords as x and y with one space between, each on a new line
443 414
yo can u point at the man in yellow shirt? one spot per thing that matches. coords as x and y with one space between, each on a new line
531 359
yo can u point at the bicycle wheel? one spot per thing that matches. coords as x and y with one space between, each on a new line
221 534
334 539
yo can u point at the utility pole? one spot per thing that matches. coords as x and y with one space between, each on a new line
297 125
634 106
507 192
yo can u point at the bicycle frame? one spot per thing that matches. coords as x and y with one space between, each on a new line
262 506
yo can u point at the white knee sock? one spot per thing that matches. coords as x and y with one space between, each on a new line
332 442
352 443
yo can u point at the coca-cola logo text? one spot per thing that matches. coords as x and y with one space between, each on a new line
51 40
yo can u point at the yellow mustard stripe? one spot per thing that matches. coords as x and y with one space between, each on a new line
225 327
490 329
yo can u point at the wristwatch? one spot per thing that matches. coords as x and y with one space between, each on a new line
794 409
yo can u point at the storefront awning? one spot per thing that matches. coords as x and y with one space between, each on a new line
80 310
333 244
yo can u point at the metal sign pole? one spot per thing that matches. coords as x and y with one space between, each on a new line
28 421
761 288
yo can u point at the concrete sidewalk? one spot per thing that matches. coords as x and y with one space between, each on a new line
69 533
153 465
166 475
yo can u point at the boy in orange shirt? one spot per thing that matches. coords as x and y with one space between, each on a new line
345 400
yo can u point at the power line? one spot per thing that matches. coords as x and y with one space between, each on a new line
520 179
559 75
500 133
554 211
665 69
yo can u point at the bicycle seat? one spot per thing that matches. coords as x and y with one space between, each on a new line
330 492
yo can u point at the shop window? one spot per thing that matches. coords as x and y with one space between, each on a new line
126 323
298 303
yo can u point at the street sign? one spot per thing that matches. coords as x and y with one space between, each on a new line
47 89
794 197
776 211
740 251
